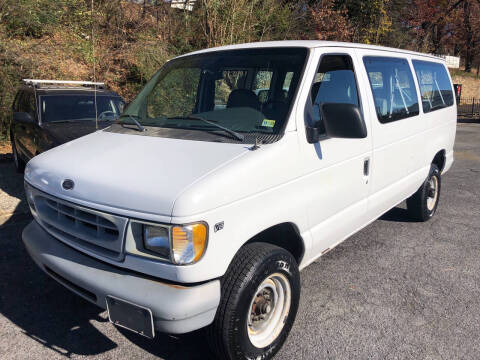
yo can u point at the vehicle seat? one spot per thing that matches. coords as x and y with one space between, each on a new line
275 110
243 98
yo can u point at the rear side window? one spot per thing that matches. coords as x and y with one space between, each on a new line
261 85
393 88
435 85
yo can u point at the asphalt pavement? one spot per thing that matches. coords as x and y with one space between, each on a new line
395 290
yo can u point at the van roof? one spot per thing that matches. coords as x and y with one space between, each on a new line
311 44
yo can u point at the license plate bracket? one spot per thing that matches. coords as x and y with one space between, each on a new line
130 316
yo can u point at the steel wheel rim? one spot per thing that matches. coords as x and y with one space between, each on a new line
432 193
269 310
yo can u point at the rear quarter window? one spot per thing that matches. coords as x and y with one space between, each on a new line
435 85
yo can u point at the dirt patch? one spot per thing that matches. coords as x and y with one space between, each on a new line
470 86
5 150
5 147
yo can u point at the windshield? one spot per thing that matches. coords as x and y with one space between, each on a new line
56 108
247 91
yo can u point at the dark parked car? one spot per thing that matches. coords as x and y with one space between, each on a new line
49 113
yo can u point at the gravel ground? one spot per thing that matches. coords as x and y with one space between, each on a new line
395 290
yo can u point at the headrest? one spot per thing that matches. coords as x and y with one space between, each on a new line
243 98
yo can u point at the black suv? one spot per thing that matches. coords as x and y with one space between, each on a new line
49 113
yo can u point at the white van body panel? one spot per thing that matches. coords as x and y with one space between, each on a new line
320 189
132 168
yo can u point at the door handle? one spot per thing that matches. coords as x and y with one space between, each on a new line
366 167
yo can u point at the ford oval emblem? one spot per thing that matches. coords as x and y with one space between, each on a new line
68 184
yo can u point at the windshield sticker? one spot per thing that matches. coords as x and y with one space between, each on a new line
268 123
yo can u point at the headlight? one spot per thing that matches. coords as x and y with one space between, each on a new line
181 244
157 239
29 196
188 243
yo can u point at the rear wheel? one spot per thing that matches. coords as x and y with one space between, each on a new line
19 163
260 295
423 204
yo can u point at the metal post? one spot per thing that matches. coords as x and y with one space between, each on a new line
473 106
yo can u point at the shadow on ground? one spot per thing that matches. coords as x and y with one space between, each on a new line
468 121
397 214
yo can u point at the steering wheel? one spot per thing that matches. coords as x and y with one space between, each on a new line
105 114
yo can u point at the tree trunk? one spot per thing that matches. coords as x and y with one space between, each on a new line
468 37
144 9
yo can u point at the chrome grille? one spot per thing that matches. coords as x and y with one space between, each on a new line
89 230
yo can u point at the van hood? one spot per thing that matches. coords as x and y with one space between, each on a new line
129 172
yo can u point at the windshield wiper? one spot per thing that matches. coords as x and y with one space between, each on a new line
139 126
235 134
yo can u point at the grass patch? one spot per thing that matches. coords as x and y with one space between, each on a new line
460 72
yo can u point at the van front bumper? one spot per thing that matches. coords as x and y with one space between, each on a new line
176 308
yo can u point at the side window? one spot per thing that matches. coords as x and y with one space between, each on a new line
23 103
393 88
27 104
334 82
230 80
16 101
261 85
175 94
435 86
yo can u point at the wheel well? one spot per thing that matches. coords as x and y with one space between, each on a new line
286 236
439 160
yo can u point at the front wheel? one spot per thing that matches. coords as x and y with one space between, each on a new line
260 296
423 204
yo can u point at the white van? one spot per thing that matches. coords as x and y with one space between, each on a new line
202 203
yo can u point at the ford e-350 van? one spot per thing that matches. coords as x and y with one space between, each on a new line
200 205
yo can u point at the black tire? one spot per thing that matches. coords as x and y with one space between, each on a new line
423 204
17 160
228 336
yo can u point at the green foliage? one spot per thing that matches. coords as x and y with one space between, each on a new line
370 18
459 72
7 93
222 22
29 18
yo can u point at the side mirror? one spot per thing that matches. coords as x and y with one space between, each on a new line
314 133
343 121
22 117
